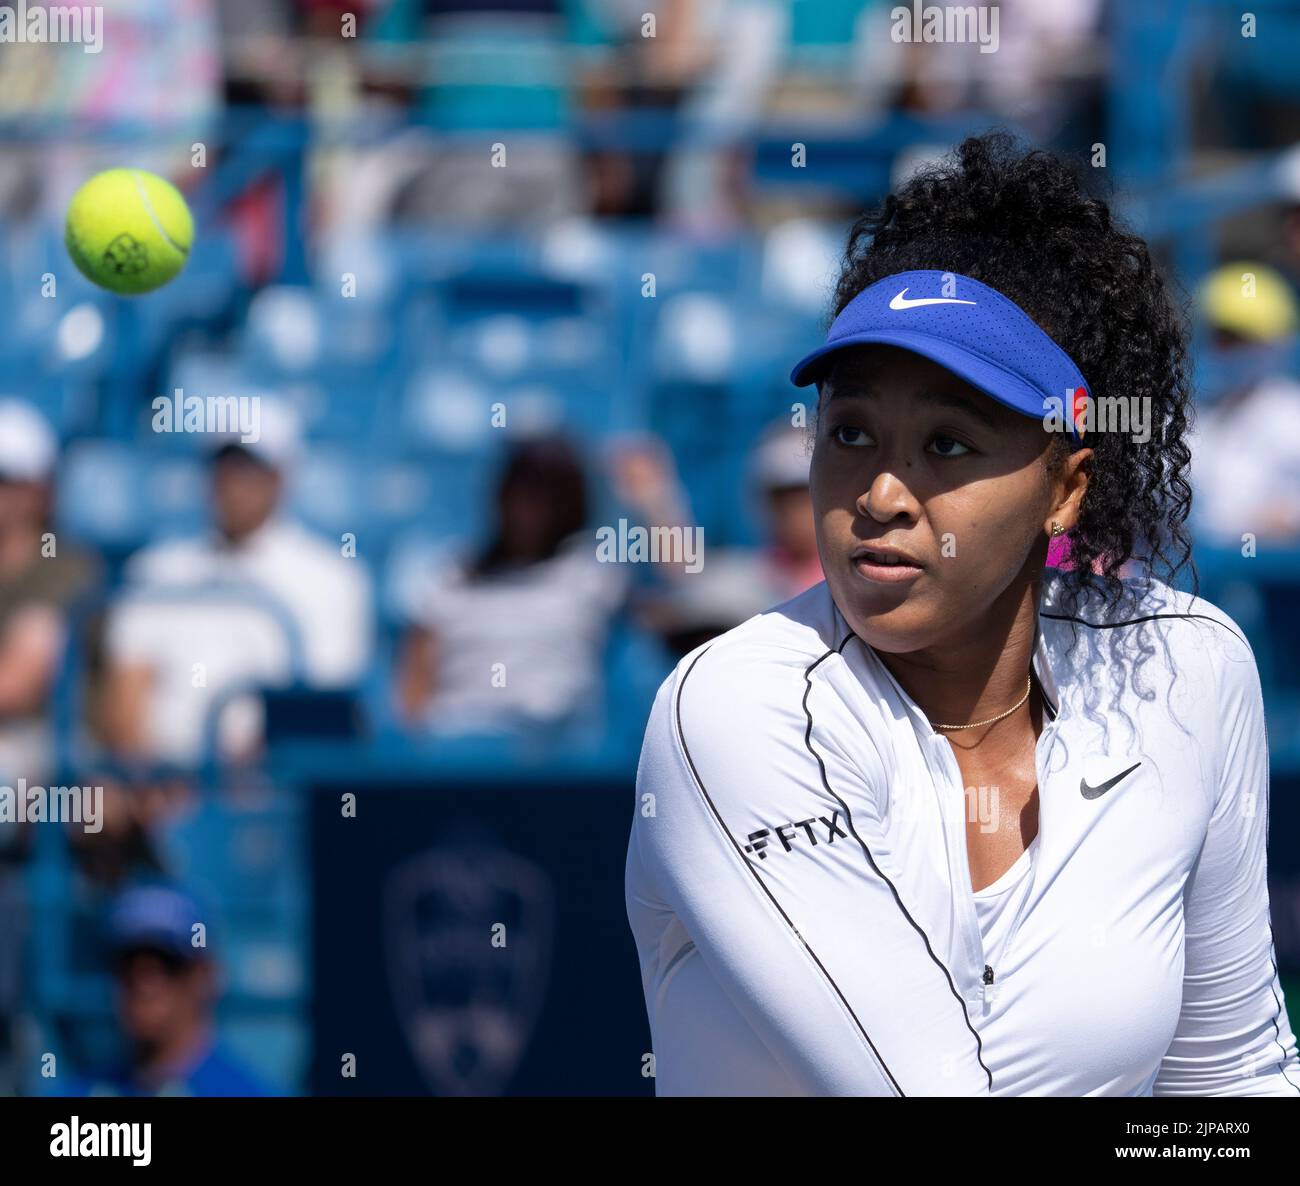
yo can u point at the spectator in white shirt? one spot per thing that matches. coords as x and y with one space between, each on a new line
513 637
154 705
1246 458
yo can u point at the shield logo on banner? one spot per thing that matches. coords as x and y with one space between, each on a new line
468 930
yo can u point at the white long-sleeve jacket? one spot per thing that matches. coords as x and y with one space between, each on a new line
798 885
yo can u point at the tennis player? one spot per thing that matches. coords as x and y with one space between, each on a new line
952 822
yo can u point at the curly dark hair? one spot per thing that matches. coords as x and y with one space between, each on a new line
1022 222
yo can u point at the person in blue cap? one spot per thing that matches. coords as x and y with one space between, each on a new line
166 990
952 821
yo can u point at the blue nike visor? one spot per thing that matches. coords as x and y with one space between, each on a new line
967 328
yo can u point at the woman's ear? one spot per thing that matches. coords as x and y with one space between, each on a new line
1070 486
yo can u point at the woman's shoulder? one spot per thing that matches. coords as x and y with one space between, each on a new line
737 711
1188 630
758 662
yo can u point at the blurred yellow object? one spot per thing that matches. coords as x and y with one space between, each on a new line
1249 299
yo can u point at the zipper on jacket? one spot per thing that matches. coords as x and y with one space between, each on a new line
948 783
1041 751
990 988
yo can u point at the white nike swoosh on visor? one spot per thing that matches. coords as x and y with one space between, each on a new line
900 303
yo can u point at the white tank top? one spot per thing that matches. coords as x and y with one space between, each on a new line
997 905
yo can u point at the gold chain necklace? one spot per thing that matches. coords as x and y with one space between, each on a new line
1029 685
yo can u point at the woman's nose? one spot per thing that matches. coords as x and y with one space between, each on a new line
887 497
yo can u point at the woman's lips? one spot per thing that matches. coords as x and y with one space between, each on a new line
885 568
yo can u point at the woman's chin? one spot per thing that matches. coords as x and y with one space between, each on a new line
887 620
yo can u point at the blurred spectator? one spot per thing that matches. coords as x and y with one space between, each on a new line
643 77
702 605
1246 458
41 578
126 845
167 989
499 68
1040 60
780 465
644 479
166 671
734 583
515 635
730 59
261 56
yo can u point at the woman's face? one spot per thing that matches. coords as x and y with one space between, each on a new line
912 458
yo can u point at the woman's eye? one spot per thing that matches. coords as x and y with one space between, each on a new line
947 447
846 434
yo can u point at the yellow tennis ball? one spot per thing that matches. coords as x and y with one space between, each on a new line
128 230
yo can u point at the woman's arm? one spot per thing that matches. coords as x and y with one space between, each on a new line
30 650
125 715
417 672
1233 1035
803 932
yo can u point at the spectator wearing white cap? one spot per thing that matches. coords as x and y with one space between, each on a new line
780 471
41 576
152 708
788 563
735 583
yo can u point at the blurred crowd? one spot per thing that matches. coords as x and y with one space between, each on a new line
604 107
505 636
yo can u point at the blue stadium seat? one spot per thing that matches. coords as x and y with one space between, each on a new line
101 498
